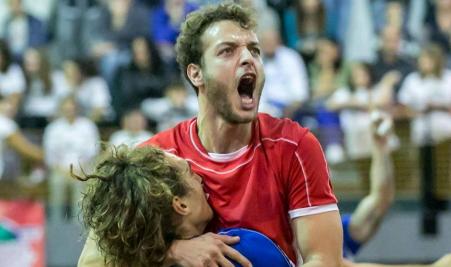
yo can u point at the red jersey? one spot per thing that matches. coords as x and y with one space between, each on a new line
282 174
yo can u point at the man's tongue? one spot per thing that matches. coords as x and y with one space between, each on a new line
247 102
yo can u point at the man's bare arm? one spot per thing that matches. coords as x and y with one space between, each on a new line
206 250
90 255
367 217
320 239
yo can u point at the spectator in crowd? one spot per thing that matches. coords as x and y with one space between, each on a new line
70 139
326 76
265 15
43 93
165 21
90 89
325 70
74 28
41 9
359 39
145 77
399 15
176 106
12 80
305 24
390 57
133 130
439 22
11 135
286 86
112 32
426 93
354 102
22 30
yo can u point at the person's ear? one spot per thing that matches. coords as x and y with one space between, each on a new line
180 206
194 73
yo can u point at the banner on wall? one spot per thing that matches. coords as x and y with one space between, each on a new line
22 239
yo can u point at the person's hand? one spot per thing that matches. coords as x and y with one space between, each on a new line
391 78
444 261
207 250
381 126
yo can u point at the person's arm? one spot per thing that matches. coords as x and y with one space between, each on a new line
203 251
25 148
365 220
313 207
206 250
90 255
319 239
445 261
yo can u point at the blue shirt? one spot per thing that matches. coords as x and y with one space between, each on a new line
350 246
258 248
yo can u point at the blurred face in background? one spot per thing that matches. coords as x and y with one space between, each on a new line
69 109
134 122
177 95
394 14
269 41
327 53
32 61
141 53
119 7
443 4
391 39
360 76
16 7
310 6
426 64
72 72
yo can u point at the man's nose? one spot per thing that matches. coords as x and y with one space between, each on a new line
246 57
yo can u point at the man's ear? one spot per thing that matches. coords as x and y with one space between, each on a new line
180 206
194 73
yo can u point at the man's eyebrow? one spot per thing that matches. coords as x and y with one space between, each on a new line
254 44
227 43
231 43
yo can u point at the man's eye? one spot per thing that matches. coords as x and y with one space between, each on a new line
256 51
226 51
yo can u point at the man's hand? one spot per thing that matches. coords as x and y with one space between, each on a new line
207 250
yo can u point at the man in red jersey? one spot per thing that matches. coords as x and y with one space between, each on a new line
261 173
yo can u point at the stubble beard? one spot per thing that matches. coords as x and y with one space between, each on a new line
217 95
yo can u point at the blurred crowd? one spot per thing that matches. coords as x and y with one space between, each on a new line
80 71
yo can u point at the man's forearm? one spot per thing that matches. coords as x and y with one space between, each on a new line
382 184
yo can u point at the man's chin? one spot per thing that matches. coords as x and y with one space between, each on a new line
241 118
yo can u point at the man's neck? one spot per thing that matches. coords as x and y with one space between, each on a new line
219 136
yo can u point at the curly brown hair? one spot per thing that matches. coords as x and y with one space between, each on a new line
189 47
128 205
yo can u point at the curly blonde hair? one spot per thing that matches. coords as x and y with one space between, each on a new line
128 205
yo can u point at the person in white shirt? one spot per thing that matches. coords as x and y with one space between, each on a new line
133 130
90 89
12 80
43 93
69 140
11 135
426 93
286 86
